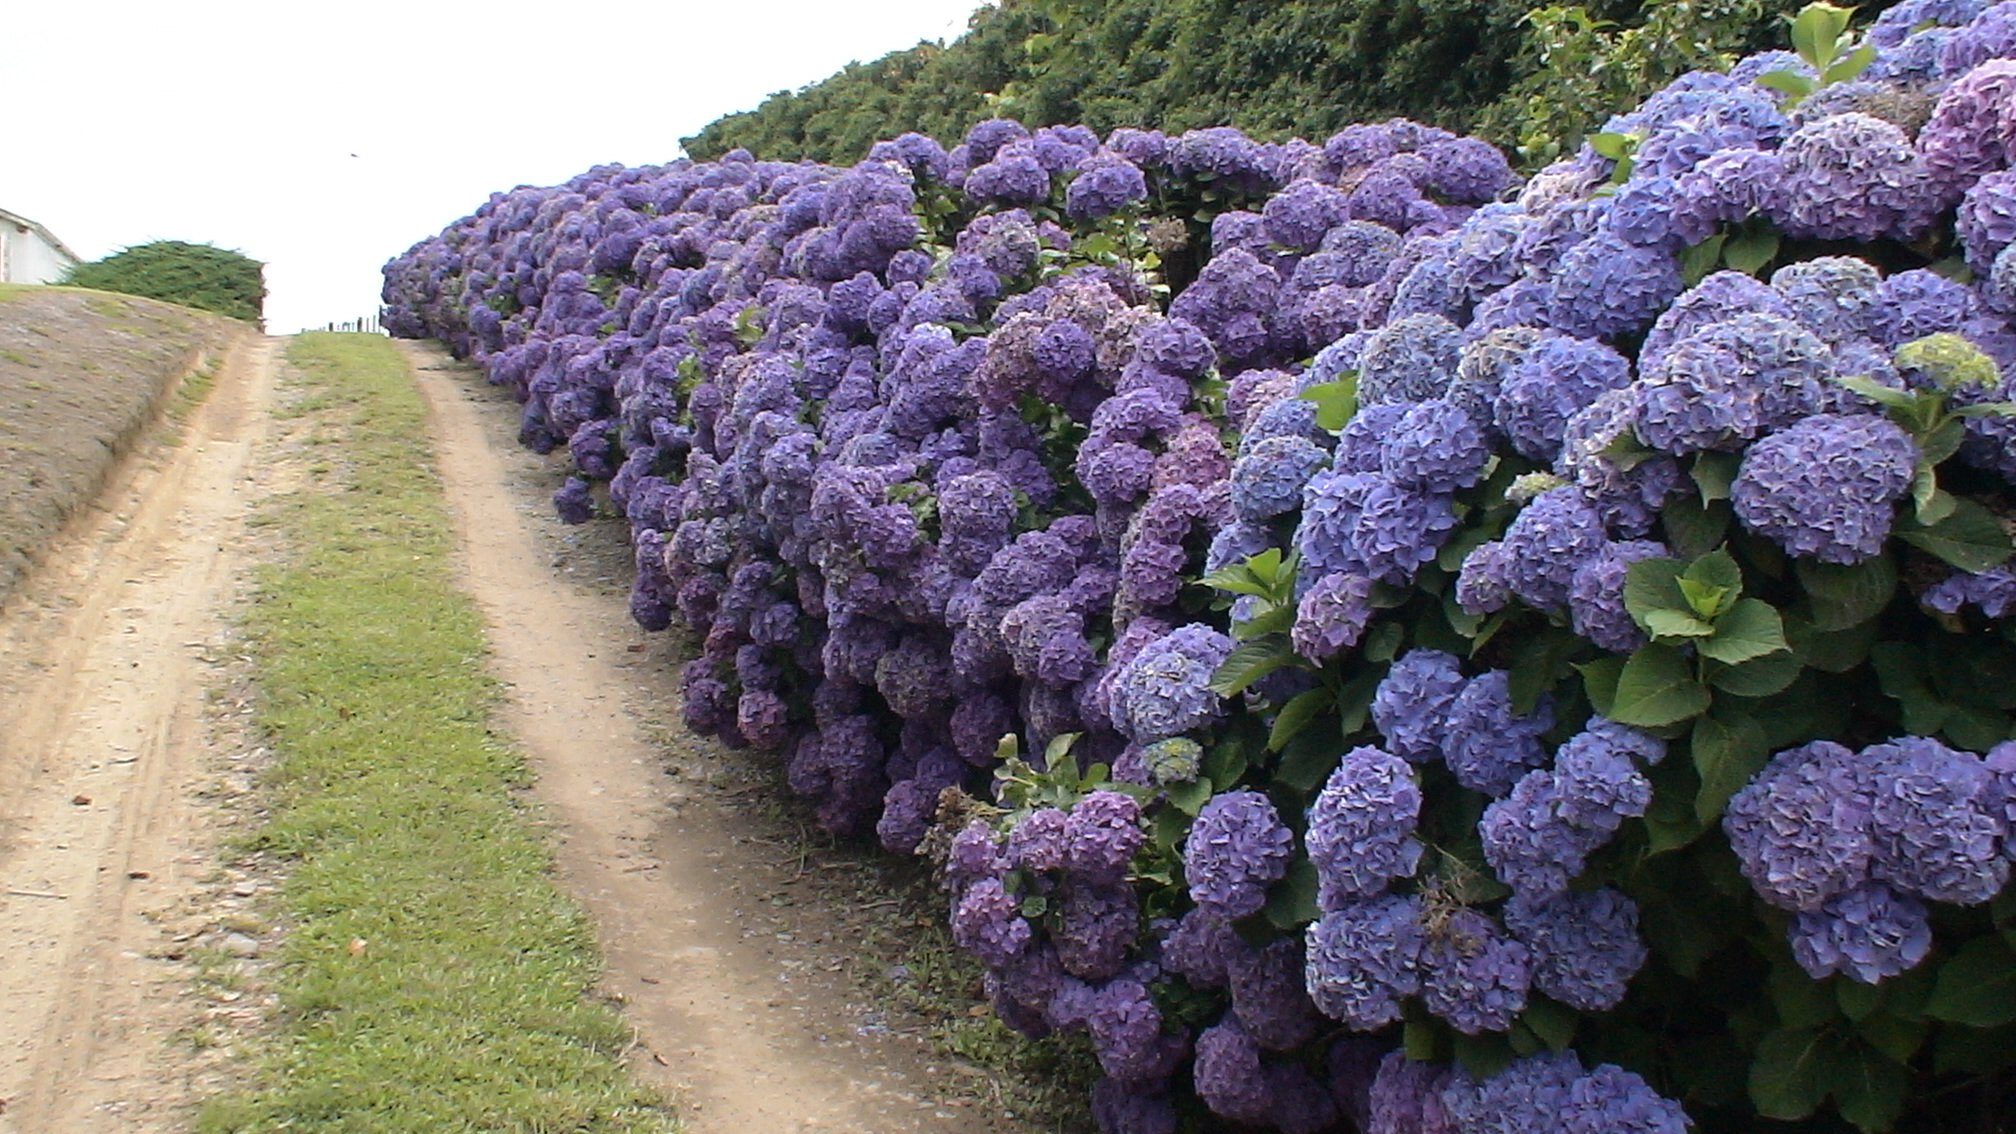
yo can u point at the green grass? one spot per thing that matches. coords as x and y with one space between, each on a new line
433 977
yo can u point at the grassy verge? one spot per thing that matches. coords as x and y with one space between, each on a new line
433 979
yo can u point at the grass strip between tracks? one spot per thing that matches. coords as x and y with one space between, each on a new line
433 976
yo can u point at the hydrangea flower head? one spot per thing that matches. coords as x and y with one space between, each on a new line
1363 960
1412 704
1361 827
1165 690
1585 946
1826 487
1870 934
1934 835
1103 832
1434 447
1800 829
1473 975
1237 847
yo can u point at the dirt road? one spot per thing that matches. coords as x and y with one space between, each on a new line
118 724
681 902
106 662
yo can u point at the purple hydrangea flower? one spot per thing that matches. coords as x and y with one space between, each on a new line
1596 595
1548 384
1398 531
1103 832
1851 177
1104 186
1869 934
987 922
1538 838
1608 286
1932 835
1269 997
1038 842
1473 975
1550 539
1827 486
1364 959
1268 479
1096 924
1611 1100
1237 847
1228 1074
1835 296
1406 1098
1332 616
1585 946
1435 447
1361 827
1411 707
1531 1094
1409 360
1165 690
1800 829
1993 591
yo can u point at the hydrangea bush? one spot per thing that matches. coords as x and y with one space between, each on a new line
1375 642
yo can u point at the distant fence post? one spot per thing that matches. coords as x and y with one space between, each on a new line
366 325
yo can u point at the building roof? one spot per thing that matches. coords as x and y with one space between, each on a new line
24 223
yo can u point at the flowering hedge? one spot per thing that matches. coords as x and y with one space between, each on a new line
1376 643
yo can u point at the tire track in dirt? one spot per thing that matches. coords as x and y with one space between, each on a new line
103 678
718 1029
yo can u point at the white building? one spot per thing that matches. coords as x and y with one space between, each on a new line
30 253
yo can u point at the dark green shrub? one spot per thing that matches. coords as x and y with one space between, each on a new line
202 276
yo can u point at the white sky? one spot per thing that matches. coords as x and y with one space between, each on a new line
326 139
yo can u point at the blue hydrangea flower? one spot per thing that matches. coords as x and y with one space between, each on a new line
1409 360
1473 975
1269 997
1596 595
1611 1100
1538 838
1869 934
1933 836
1327 536
1800 829
1361 827
1103 832
1434 447
1412 704
1827 486
1165 690
1852 177
1608 286
1363 960
1835 296
1547 385
1550 539
1406 1097
1237 847
1332 616
1268 479
1585 946
987 922
1399 531
1485 743
1529 1095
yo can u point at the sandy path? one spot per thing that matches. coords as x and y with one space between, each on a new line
105 664
111 755
724 1027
